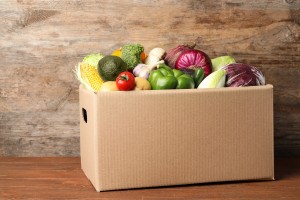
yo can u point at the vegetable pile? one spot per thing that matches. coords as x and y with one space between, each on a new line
182 67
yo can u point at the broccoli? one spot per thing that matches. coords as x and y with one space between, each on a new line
93 59
131 54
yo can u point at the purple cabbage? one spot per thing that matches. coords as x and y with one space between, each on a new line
239 74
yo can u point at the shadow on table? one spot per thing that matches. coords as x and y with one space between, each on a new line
286 168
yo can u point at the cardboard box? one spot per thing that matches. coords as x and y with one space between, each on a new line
173 137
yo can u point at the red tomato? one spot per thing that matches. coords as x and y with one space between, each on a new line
125 81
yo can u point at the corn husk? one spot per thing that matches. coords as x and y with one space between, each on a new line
88 76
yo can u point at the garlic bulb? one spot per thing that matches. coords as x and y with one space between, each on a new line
143 70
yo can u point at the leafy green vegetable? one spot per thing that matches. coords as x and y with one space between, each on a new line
221 61
131 54
93 59
214 80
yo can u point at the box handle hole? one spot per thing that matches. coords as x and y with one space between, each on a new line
84 115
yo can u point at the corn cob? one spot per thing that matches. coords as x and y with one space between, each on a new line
88 76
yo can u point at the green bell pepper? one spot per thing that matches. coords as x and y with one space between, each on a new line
198 76
165 78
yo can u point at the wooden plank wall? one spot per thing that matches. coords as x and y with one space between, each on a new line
41 41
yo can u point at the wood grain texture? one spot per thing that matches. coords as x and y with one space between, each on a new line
62 178
41 41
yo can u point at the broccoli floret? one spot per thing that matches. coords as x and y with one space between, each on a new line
131 54
93 59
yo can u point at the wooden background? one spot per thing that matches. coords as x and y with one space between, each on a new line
41 41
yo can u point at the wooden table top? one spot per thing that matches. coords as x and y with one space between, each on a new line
62 178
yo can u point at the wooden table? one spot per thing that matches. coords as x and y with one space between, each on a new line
62 178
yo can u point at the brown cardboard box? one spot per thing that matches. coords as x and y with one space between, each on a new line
170 137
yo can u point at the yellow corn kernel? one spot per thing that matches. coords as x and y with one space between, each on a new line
90 75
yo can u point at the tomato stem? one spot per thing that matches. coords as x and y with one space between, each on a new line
124 77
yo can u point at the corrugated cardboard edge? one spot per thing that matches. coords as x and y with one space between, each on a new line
88 136
270 87
272 104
